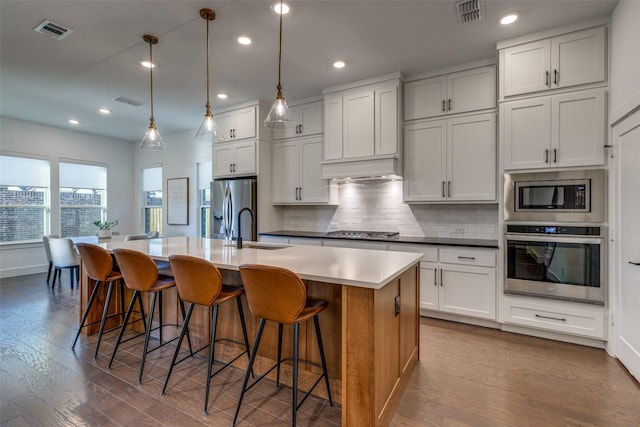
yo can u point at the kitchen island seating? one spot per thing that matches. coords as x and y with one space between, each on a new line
200 283
140 274
279 295
64 255
98 265
45 240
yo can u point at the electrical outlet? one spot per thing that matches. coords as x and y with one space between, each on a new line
333 226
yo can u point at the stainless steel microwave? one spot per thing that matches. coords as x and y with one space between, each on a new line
564 196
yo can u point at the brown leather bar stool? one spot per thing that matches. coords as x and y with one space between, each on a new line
140 274
279 295
200 283
98 264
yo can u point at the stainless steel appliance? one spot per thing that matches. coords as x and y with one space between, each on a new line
565 196
364 234
229 197
556 261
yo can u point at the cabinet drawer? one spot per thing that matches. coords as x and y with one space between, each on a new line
430 253
555 317
475 256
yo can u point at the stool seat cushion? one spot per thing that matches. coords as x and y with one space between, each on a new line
311 308
163 282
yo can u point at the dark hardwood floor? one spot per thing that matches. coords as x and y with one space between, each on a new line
467 376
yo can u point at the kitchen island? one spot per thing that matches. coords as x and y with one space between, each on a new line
370 330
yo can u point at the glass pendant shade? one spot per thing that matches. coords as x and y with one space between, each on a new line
152 139
208 130
279 116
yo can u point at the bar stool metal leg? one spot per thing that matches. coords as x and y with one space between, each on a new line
280 326
316 322
212 341
294 403
252 359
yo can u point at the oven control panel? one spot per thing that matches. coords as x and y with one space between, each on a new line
569 230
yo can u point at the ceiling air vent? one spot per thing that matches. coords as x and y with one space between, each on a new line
52 29
469 11
129 101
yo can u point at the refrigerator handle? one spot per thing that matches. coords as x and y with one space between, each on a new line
227 214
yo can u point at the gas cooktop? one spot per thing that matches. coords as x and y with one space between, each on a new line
364 234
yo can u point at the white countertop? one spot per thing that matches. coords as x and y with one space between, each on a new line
356 267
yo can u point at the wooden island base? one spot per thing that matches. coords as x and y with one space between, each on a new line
370 338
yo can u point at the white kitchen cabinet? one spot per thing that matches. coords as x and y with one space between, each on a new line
460 92
237 124
297 172
358 244
362 122
234 159
567 60
451 160
555 131
308 118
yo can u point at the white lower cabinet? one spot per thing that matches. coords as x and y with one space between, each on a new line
555 316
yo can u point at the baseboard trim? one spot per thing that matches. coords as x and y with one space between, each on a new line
554 336
23 271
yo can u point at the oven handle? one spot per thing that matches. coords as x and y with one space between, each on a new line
555 238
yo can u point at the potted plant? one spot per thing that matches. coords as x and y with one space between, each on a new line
104 227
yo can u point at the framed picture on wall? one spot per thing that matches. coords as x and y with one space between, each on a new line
178 201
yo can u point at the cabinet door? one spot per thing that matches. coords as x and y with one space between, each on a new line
526 68
409 323
470 291
423 98
286 175
312 187
428 285
245 126
245 162
578 58
425 161
386 121
578 130
471 90
310 118
226 123
288 132
471 158
223 158
526 128
333 133
358 125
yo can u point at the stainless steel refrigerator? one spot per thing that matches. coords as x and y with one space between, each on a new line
228 197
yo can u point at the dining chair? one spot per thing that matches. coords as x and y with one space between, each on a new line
45 239
64 255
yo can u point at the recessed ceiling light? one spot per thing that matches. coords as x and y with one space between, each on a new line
339 64
104 110
222 95
147 64
508 19
74 122
244 40
276 8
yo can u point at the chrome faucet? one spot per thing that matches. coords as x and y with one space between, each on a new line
239 240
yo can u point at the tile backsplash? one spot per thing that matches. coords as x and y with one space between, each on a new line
377 206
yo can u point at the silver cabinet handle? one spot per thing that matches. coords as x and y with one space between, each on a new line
449 105
546 156
470 258
449 188
443 105
555 77
443 189
634 263
552 318
546 79
555 155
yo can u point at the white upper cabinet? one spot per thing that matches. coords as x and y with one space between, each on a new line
460 92
358 125
237 124
562 130
231 159
571 59
451 160
308 118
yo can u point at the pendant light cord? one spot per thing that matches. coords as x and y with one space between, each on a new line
151 77
208 106
279 96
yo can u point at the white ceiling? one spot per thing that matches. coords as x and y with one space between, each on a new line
49 81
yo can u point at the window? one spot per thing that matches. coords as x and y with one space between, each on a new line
24 199
83 198
204 197
152 192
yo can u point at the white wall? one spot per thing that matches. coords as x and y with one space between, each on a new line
625 59
179 160
31 139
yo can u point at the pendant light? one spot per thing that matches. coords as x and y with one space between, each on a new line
152 139
208 130
279 116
